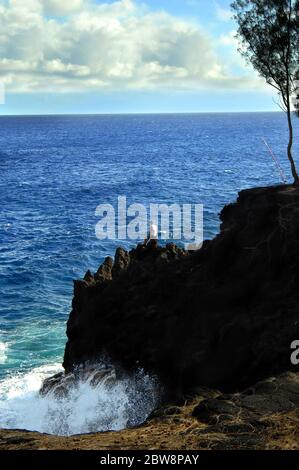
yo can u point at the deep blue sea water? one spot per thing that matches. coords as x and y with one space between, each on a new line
55 170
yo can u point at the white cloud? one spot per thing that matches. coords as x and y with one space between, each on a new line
76 45
223 14
62 7
229 39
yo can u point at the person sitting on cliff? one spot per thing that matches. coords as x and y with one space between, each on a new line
152 235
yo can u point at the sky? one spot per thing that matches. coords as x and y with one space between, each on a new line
124 56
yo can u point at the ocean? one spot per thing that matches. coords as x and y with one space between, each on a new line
54 172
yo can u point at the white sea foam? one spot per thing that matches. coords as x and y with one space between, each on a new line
3 352
87 408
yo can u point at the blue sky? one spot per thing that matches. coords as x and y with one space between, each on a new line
125 56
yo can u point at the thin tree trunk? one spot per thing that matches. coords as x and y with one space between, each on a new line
290 145
288 97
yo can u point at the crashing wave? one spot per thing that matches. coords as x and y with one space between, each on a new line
90 400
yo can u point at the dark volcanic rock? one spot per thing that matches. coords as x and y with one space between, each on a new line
214 409
239 413
223 316
104 272
60 385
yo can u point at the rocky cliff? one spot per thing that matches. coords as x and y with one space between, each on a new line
223 316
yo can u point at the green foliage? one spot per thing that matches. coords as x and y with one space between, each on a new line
269 39
269 34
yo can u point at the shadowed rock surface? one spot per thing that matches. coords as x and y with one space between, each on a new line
222 317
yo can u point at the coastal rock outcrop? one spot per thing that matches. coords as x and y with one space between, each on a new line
61 384
223 317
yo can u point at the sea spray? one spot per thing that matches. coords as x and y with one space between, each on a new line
3 352
86 407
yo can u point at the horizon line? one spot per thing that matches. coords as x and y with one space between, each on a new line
139 113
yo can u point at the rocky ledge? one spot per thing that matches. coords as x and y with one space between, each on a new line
265 416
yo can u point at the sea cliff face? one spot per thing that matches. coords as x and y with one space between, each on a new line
224 316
